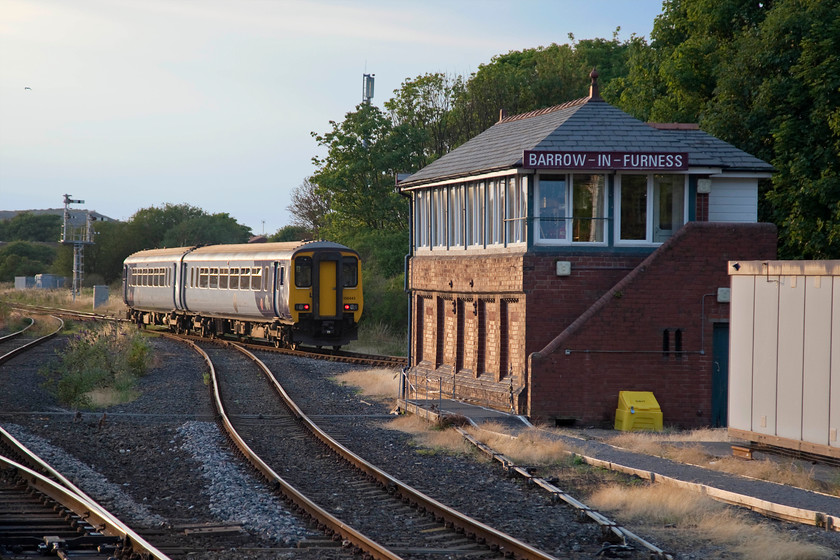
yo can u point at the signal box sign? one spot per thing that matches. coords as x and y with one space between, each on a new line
647 161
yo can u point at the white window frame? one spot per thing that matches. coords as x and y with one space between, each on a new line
650 216
456 215
568 211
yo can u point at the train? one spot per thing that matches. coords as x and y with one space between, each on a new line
290 293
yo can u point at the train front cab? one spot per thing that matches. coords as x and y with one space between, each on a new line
325 297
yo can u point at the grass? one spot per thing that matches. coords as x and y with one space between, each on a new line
430 440
378 338
684 447
99 367
63 298
699 518
666 512
378 382
531 448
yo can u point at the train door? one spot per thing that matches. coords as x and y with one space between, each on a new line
126 283
327 285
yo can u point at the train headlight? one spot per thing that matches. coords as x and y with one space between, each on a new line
301 307
351 307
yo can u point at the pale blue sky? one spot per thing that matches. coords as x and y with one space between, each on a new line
136 103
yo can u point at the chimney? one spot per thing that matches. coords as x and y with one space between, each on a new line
502 115
594 94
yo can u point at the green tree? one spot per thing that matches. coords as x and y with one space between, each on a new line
425 105
779 96
22 258
206 229
364 154
291 233
104 259
673 78
27 226
764 76
149 226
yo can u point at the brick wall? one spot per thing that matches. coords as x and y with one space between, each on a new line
617 344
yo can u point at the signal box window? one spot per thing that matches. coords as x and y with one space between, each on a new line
552 208
349 273
303 272
651 207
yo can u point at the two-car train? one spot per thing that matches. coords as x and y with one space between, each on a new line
287 293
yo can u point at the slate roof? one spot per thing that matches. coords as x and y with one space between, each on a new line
586 124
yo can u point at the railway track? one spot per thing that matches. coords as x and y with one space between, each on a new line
303 352
350 499
44 514
18 342
314 353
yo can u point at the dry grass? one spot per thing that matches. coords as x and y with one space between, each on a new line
426 436
670 446
379 382
63 298
531 448
702 519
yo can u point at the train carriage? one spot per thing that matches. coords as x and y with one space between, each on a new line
289 293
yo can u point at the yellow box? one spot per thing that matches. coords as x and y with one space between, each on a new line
637 410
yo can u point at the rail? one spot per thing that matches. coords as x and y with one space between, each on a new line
323 517
471 526
41 477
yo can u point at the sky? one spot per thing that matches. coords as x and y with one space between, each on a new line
130 104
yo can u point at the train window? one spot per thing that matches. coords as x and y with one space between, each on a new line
192 278
349 273
303 272
245 279
256 278
223 278
282 275
155 277
203 277
214 277
234 279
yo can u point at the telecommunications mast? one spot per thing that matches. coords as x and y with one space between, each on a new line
76 230
367 87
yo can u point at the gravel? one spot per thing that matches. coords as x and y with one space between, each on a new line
161 463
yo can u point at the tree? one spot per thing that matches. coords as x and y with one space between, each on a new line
780 96
206 229
309 208
27 226
425 105
291 233
364 154
22 258
764 76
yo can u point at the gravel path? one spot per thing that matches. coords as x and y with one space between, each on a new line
161 463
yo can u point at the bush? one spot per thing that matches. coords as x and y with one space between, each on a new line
109 357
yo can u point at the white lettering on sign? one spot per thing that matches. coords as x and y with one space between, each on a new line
542 159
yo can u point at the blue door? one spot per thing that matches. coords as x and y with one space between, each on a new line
720 374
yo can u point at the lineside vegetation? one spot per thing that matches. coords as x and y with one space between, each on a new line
99 367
